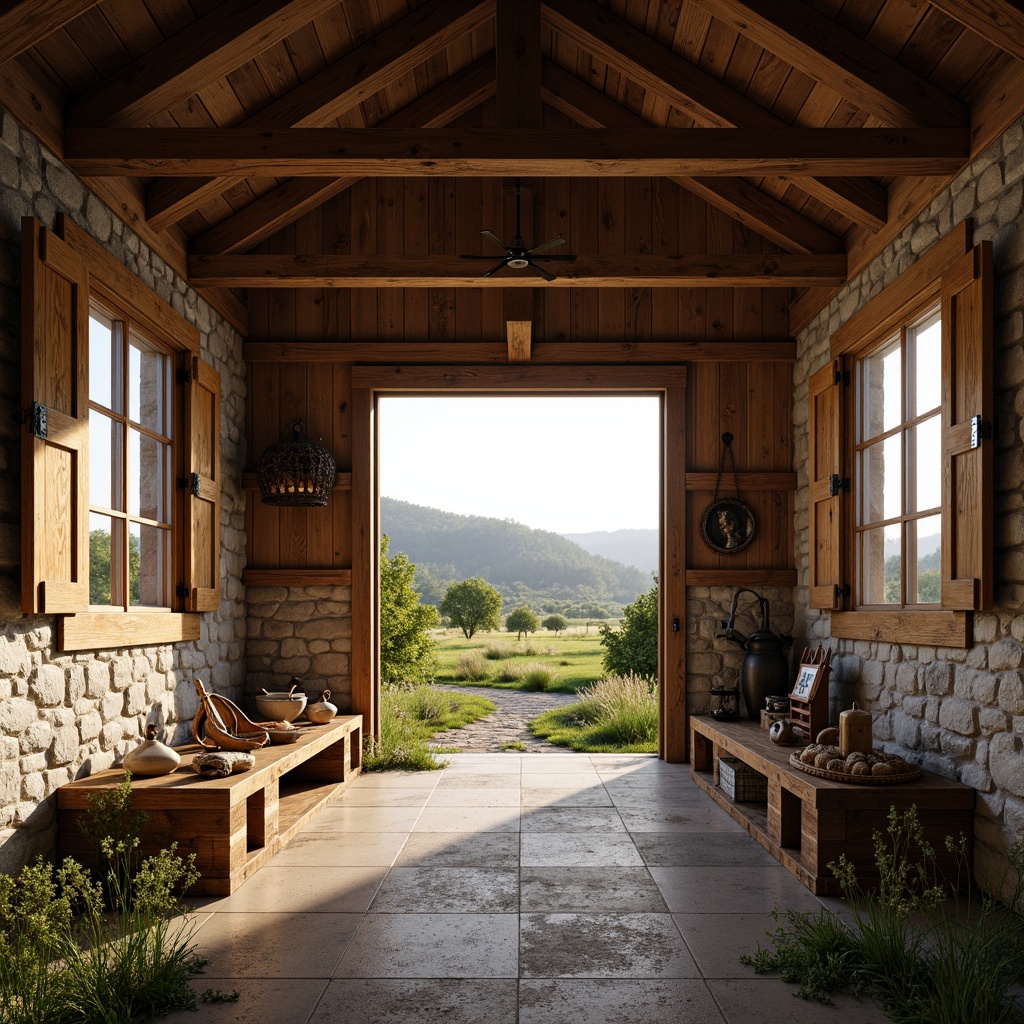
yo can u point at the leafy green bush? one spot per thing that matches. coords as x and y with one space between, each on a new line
633 648
406 650
924 958
78 951
537 677
472 667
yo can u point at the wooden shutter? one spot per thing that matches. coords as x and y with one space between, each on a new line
55 438
967 431
201 449
825 498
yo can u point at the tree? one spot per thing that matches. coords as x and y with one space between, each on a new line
521 621
555 622
406 651
471 605
634 646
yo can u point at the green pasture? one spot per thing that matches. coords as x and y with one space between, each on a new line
573 659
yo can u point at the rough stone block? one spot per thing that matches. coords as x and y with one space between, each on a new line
938 679
64 749
992 720
48 685
16 715
959 716
906 731
121 673
1011 693
1004 655
97 678
89 726
328 665
1006 762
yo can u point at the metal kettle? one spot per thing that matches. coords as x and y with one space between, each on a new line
765 669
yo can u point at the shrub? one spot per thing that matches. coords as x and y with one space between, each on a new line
510 672
428 704
401 747
633 648
537 676
496 652
471 667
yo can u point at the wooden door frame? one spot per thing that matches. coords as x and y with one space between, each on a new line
370 382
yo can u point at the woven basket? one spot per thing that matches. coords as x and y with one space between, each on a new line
856 780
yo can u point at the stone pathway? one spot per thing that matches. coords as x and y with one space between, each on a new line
507 724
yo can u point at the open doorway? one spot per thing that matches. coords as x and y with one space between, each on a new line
532 522
664 384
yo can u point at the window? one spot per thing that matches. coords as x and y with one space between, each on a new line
131 417
120 454
897 457
900 453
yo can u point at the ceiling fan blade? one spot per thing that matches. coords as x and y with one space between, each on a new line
494 238
540 271
548 259
550 244
494 269
468 256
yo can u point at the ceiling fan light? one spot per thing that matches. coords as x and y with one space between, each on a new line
518 262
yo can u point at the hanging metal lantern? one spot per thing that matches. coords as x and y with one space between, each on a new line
296 471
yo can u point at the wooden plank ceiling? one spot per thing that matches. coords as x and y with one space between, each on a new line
819 127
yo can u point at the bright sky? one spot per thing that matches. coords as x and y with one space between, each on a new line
568 465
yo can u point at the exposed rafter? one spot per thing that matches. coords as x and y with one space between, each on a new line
25 23
704 98
288 202
435 271
217 44
490 152
824 51
997 21
736 196
393 52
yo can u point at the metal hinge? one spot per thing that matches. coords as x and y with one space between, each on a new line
837 484
191 482
182 376
980 429
842 591
841 377
35 417
181 590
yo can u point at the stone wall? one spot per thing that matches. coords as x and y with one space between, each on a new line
65 715
304 632
958 712
710 661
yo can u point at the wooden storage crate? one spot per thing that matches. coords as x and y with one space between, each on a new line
741 782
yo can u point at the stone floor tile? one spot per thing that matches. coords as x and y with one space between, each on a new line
476 780
571 819
378 796
614 1001
468 819
343 819
718 940
767 1000
398 780
433 946
679 818
589 796
726 890
418 1001
275 945
500 794
461 849
310 889
624 890
603 946
442 890
561 780
260 1001
589 849
342 849
712 849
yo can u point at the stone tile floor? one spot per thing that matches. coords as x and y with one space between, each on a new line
529 888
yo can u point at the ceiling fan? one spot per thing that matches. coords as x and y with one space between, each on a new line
517 255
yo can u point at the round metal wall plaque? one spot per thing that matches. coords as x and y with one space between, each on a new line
727 526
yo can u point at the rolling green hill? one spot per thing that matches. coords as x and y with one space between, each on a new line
529 566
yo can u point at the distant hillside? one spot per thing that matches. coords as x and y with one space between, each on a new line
524 565
638 548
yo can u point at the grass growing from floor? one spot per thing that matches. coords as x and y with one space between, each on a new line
573 660
926 956
618 714
409 717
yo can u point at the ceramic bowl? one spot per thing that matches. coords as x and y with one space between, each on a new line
281 707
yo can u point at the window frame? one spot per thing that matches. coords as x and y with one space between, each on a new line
958 278
63 272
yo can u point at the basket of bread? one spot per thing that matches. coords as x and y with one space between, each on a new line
826 759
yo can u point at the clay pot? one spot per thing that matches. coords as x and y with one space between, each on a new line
281 706
322 711
151 757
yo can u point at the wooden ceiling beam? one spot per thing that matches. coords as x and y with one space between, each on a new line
492 152
744 202
288 202
24 24
996 21
217 44
437 271
827 53
696 93
395 51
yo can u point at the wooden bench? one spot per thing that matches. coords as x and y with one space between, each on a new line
807 822
233 825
